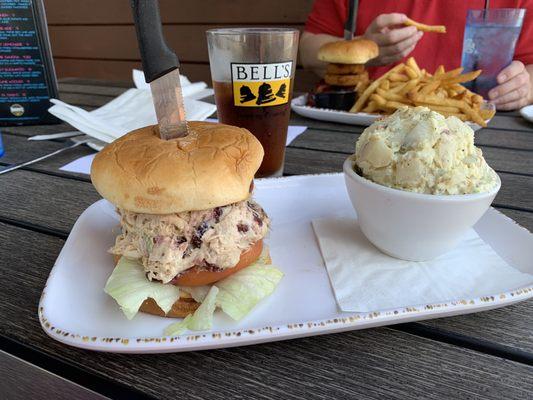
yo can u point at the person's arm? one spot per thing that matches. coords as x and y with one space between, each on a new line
309 45
515 87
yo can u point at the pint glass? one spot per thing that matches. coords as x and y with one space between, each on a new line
489 43
253 75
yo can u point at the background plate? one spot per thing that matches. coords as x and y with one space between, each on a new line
75 310
527 112
298 105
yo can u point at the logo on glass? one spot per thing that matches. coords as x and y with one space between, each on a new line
261 85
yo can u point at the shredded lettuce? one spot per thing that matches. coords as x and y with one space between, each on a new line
177 328
240 292
198 293
202 318
236 295
129 287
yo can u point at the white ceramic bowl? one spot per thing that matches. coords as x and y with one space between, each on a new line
413 226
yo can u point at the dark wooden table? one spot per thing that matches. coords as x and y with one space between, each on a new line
487 355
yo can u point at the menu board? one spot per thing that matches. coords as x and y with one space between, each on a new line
27 77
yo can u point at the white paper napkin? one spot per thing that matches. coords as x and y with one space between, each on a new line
364 279
197 90
81 165
131 110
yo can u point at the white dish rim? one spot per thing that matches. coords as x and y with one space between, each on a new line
374 117
525 114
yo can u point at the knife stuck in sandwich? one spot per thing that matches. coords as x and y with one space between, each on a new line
161 70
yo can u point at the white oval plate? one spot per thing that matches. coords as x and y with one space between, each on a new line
75 310
299 106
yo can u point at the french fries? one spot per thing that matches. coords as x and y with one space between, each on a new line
395 77
413 65
425 28
358 106
408 85
470 76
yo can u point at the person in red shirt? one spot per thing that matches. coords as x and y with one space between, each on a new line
382 21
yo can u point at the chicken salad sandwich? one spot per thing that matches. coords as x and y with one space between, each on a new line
191 235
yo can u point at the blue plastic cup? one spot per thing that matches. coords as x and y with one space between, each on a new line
489 43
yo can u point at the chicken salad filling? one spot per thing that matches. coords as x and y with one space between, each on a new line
170 244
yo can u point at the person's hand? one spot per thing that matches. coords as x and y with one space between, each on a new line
514 89
394 42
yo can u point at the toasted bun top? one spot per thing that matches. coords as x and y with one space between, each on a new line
355 51
212 166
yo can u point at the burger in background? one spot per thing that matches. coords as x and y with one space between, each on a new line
191 236
346 75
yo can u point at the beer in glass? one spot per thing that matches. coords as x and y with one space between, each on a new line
253 75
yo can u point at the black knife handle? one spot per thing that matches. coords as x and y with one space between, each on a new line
157 58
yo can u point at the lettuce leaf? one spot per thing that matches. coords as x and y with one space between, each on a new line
198 293
236 295
129 287
241 292
177 328
201 320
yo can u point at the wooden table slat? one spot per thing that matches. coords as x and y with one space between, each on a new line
22 380
104 90
345 141
27 131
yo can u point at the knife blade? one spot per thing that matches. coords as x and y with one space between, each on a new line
168 104
161 70
351 23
